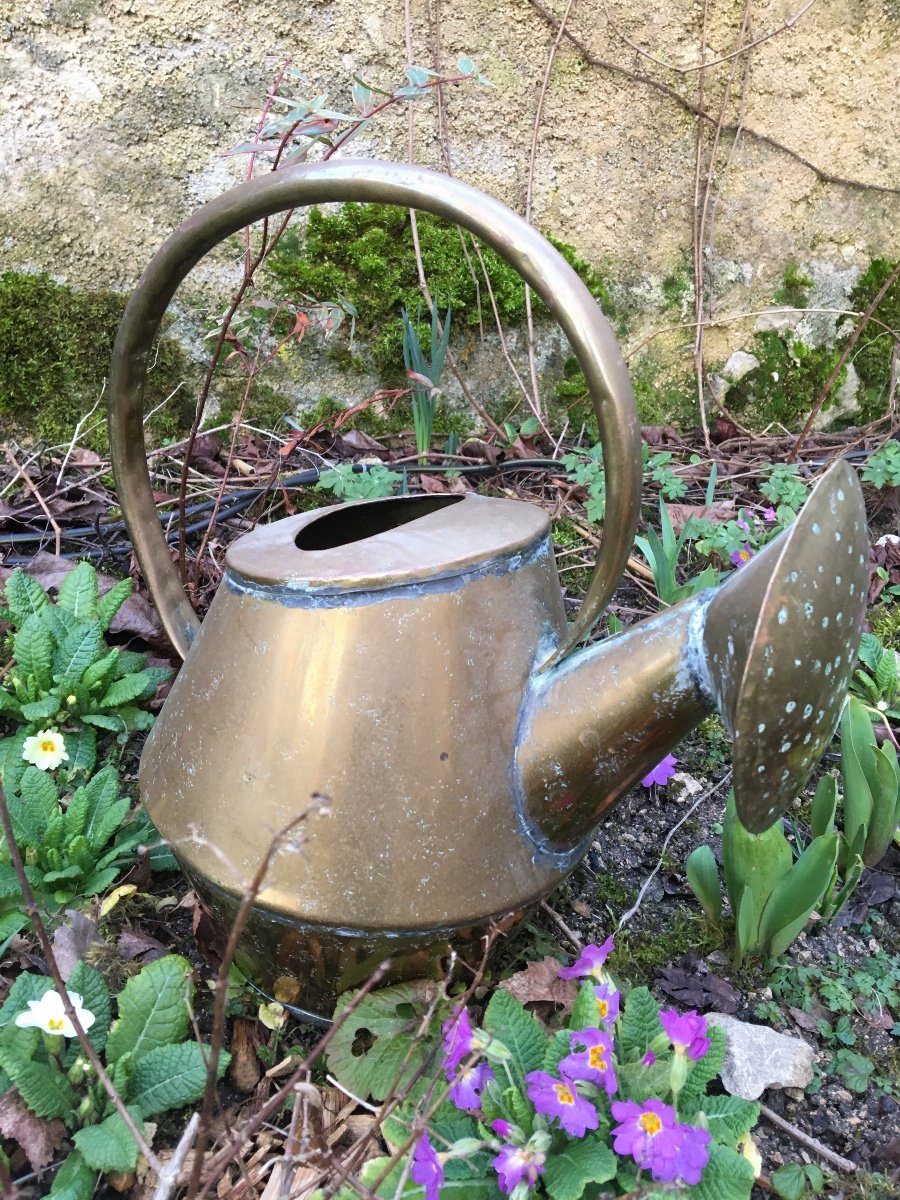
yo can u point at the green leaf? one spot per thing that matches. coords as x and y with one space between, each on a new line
703 877
80 648
746 925
77 593
639 1024
789 1181
853 1068
105 812
90 986
33 652
798 893
728 1118
82 750
34 807
121 691
570 1169
506 1020
171 1077
584 1010
758 861
153 1009
824 806
25 596
556 1049
391 1017
10 924
98 672
110 602
105 721
882 823
109 1146
99 881
704 1070
727 1176
43 1087
75 1180
857 792
41 710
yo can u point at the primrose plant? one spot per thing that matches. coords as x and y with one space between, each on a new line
617 1095
64 682
146 1051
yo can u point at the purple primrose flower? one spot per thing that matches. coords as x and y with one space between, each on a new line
466 1091
501 1128
458 1040
517 1163
590 963
769 515
594 1062
739 557
607 999
661 773
654 1139
426 1168
686 1033
558 1098
649 1059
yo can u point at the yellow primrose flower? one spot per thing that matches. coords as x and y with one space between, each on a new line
49 1015
46 749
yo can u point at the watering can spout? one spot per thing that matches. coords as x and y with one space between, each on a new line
771 650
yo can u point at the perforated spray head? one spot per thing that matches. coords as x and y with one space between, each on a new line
780 680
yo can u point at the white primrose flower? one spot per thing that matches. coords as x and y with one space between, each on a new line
46 749
49 1015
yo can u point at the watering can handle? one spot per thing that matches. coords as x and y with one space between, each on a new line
537 262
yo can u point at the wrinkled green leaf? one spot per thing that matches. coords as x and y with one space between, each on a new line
153 1009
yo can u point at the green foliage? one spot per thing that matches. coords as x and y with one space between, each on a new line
585 469
662 554
787 381
74 842
365 253
513 1044
872 354
871 783
794 289
785 487
882 468
153 1067
424 373
347 484
63 670
877 682
771 896
55 348
795 1181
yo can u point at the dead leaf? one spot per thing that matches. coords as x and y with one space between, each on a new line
81 457
133 944
72 941
433 484
39 1138
890 1152
660 435
475 448
690 982
356 441
804 1019
245 1069
719 512
540 981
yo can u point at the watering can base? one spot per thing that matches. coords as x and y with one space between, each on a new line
307 967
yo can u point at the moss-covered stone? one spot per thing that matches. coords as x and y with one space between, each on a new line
872 354
794 289
55 350
784 387
884 622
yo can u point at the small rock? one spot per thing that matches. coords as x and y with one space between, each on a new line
684 787
757 1058
740 364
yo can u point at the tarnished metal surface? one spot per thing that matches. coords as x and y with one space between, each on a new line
541 266
399 704
782 640
601 721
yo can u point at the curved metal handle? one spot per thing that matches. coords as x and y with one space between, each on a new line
570 302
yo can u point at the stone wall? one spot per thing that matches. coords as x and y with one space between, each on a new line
116 116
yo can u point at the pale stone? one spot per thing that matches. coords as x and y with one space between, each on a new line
740 364
757 1058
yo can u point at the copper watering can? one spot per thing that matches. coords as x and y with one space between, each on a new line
409 660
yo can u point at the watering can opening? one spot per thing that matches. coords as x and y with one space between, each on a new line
356 522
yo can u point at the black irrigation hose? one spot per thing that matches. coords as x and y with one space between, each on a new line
238 501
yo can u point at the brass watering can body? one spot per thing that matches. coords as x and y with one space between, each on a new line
403 661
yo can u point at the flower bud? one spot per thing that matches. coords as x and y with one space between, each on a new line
678 1072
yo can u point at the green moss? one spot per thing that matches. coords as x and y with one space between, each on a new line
675 289
795 288
365 253
55 350
783 388
872 354
884 622
639 954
